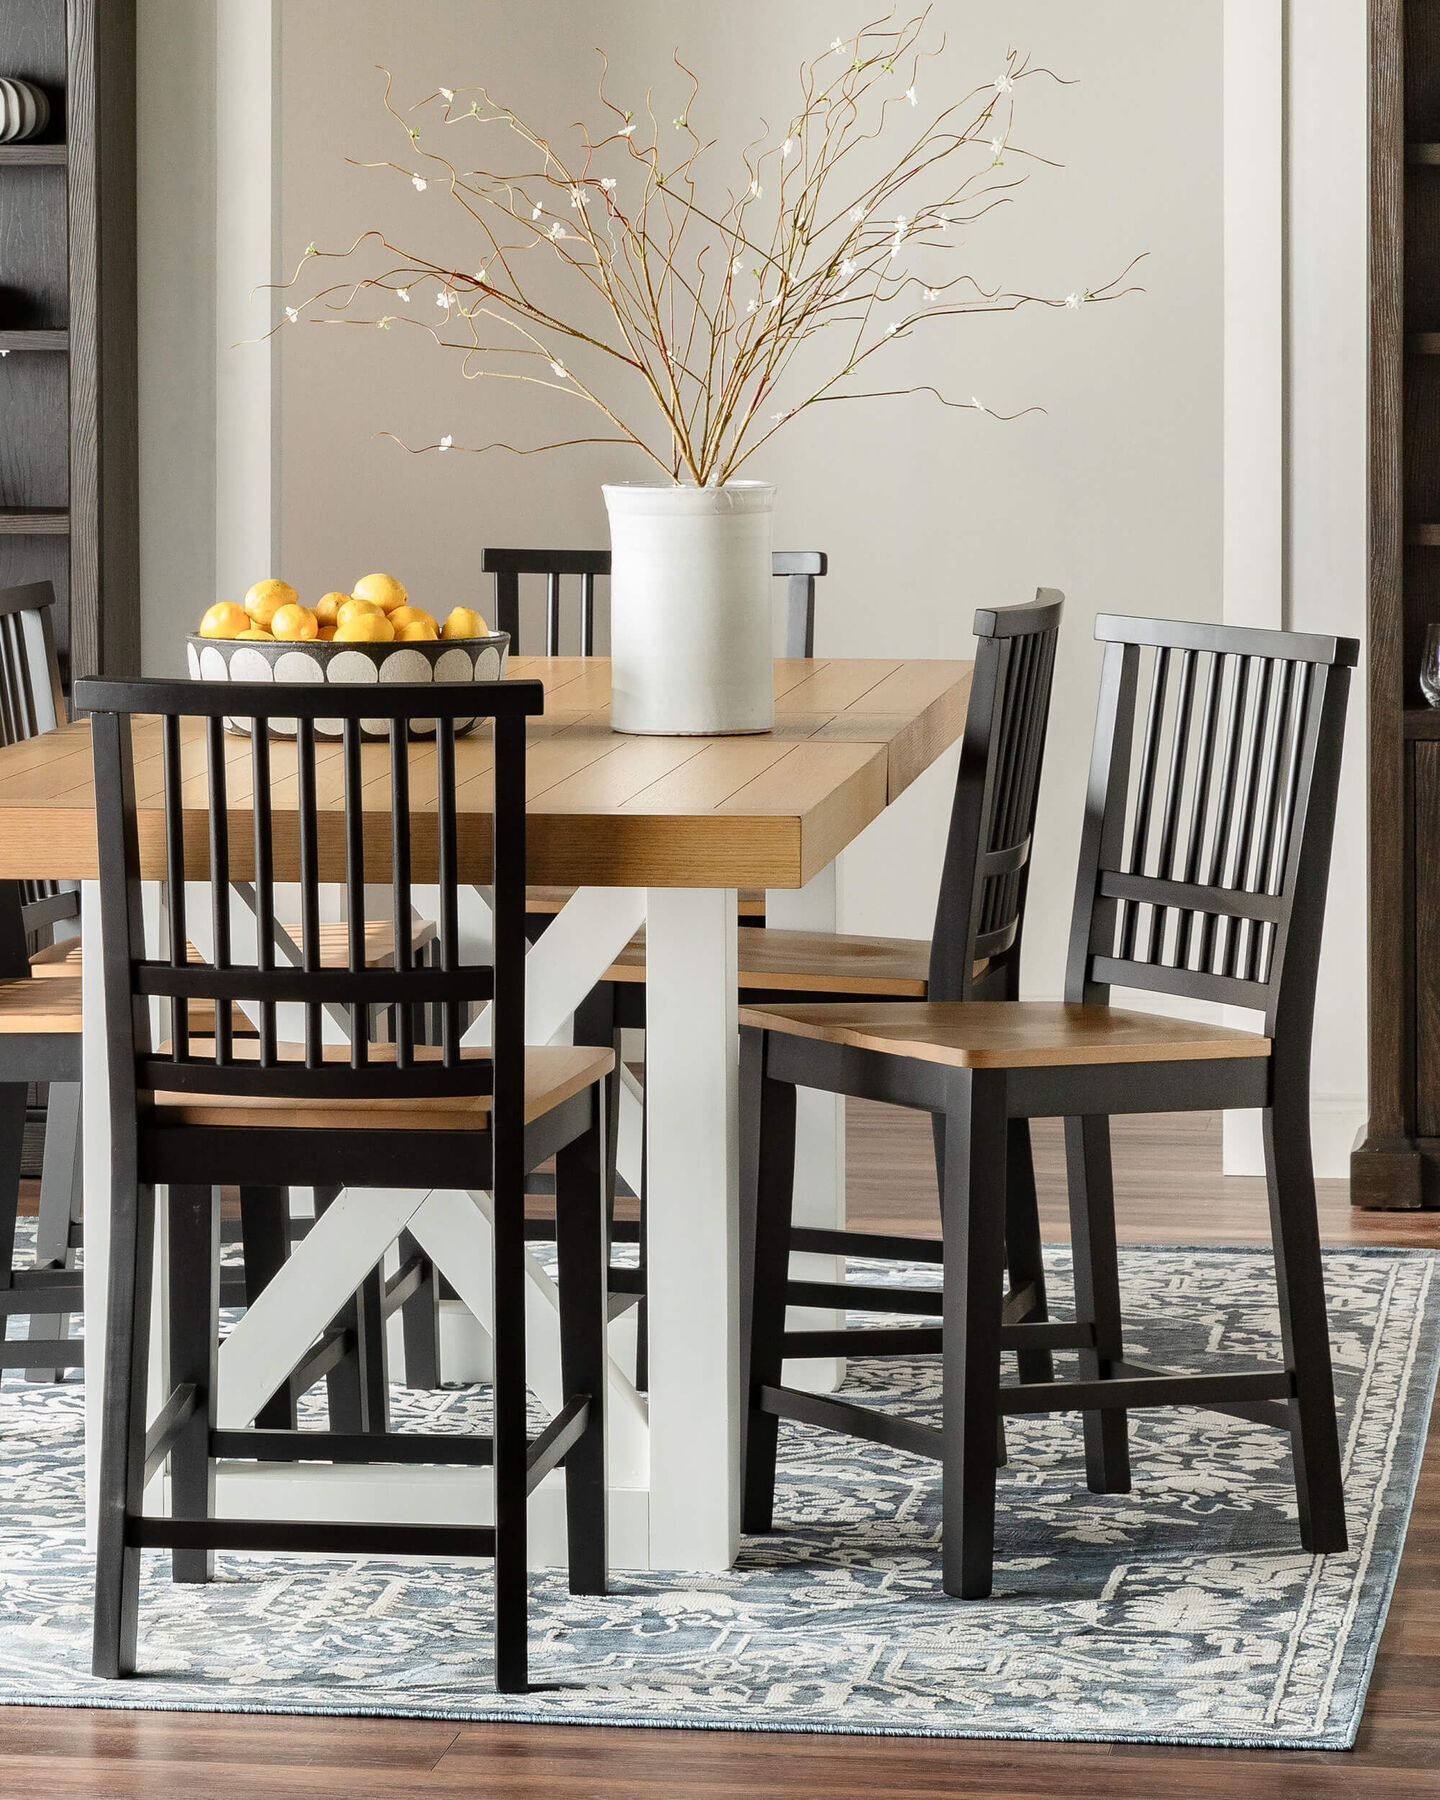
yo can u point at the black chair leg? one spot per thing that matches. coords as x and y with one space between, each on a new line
1023 1255
12 1137
582 1246
1294 1225
1097 1295
973 1222
265 1246
59 1205
122 1431
194 1259
511 1444
767 1194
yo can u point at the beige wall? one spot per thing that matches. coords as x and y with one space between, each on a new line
1114 493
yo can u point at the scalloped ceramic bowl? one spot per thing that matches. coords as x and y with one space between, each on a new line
445 659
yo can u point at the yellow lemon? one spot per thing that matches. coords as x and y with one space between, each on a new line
384 590
412 615
266 598
464 622
326 632
356 609
416 631
327 608
256 631
365 628
294 623
225 619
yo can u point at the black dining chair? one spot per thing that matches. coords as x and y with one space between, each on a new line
1203 866
189 1114
972 954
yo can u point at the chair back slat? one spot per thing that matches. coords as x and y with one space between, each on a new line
797 568
352 800
1189 879
981 910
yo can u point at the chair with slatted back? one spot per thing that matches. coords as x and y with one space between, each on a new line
32 703
1203 867
974 951
799 569
190 1113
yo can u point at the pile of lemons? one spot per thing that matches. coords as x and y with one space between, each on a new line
377 610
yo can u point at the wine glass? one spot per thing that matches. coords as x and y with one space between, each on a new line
1430 666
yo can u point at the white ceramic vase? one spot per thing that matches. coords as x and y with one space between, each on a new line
691 642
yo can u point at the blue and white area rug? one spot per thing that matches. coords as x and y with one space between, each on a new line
1184 1612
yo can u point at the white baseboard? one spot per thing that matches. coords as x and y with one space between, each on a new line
1336 1123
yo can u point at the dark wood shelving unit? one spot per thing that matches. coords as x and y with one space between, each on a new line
1398 1162
69 450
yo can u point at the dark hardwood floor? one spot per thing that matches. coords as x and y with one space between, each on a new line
1169 1189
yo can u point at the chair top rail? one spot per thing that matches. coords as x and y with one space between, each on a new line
1227 640
500 561
285 700
28 597
1043 613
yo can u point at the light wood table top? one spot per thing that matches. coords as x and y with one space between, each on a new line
605 809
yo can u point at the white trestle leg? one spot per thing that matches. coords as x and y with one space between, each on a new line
692 1191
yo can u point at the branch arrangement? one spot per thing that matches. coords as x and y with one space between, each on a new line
706 313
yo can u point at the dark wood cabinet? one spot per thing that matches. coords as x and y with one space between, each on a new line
68 440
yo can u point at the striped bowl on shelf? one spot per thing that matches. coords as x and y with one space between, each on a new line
445 659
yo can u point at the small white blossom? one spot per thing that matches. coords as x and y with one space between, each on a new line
910 96
292 314
578 197
419 183
1005 84
892 328
557 230
449 93
445 442
932 295
979 405
626 131
770 305
559 369
755 188
1074 301
445 300
847 269
751 305
857 213
838 46
608 183
536 210
780 417
943 221
997 145
403 294
787 146
900 223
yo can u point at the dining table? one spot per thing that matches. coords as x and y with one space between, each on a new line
659 832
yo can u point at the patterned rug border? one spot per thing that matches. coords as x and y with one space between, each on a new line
489 1708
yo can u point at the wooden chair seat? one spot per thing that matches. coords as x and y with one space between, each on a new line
66 958
814 962
551 899
39 1006
553 1074
1010 1034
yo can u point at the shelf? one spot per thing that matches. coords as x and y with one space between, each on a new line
33 340
1423 343
1422 722
37 521
34 156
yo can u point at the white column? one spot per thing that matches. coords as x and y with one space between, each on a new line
691 1080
